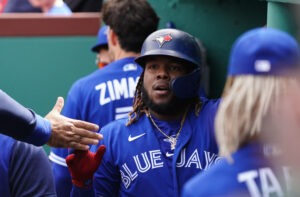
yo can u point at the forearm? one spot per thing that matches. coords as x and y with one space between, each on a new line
21 123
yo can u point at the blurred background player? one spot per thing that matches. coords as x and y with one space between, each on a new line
107 93
101 48
167 138
51 6
12 6
262 66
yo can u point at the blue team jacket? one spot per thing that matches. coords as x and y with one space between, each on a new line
133 164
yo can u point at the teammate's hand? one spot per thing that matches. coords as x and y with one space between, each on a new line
70 133
83 164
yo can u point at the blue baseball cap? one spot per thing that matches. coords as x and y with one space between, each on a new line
264 51
102 39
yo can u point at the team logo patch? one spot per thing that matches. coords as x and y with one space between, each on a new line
161 40
106 31
129 67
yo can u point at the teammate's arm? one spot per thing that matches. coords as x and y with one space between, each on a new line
56 130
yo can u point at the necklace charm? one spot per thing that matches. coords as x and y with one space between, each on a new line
173 142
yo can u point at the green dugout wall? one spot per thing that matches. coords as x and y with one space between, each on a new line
36 70
217 23
284 15
40 57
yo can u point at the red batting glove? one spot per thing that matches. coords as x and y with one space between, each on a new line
83 164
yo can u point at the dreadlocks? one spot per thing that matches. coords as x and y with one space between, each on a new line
139 107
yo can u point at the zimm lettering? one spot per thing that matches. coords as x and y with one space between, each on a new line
116 89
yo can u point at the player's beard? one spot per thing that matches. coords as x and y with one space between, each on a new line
174 106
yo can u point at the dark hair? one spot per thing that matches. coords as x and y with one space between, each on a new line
131 20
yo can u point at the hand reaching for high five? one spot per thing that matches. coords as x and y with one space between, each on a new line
70 133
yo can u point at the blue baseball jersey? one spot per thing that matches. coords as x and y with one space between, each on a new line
135 164
24 170
251 174
101 97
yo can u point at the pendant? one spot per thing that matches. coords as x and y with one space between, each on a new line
173 143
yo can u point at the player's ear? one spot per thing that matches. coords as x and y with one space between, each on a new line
112 37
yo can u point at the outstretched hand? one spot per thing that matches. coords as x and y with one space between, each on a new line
70 133
83 164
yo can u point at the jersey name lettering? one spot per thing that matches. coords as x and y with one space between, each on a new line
116 89
269 184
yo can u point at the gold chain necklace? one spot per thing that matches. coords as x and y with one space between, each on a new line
172 139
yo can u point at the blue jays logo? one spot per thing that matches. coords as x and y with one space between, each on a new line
161 40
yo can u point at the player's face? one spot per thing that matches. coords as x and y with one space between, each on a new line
103 58
159 72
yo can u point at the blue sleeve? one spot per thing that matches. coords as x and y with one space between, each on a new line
62 177
30 171
41 132
21 123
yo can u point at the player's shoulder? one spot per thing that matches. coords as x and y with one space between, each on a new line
210 102
82 81
216 173
209 107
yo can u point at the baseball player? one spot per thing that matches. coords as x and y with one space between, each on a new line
106 94
55 130
261 67
169 135
101 48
